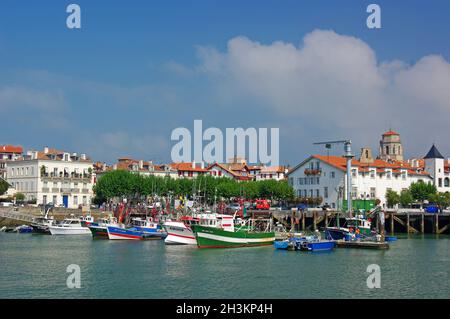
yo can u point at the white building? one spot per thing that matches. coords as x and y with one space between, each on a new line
324 177
8 153
52 176
438 168
277 173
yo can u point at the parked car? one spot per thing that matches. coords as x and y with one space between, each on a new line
6 204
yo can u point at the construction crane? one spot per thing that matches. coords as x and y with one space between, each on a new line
348 155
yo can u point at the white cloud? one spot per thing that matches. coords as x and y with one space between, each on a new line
336 83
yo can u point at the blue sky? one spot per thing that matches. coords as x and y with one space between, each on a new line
138 69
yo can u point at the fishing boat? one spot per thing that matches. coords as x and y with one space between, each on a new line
180 232
41 225
224 231
86 220
353 226
305 243
146 225
99 228
122 233
69 226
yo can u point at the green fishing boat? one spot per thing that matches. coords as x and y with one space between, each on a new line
226 231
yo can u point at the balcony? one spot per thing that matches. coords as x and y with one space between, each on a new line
313 172
55 190
85 191
66 190
75 190
45 189
66 177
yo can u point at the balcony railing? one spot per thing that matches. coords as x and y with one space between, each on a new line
55 190
45 189
309 171
85 191
61 175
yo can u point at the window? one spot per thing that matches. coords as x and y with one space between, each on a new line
317 180
44 199
372 173
325 192
317 193
26 171
373 192
300 181
440 182
387 150
354 172
305 193
388 174
75 200
332 174
54 200
84 200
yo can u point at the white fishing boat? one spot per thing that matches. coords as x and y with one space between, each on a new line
69 226
180 232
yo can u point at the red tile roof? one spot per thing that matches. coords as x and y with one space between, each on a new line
11 149
340 163
390 132
187 167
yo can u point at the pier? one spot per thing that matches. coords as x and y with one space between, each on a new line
402 221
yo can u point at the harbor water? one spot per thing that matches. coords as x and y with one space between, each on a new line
34 266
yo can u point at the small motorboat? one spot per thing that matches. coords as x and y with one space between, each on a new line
40 225
69 226
23 229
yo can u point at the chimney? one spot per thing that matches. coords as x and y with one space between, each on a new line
83 156
141 164
203 165
193 164
46 150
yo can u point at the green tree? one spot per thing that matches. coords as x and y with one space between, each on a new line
392 198
421 191
3 186
405 198
20 197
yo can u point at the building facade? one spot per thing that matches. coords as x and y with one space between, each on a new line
8 153
53 176
321 176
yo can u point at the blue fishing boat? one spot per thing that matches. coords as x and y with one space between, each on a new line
305 243
133 233
320 245
24 229
281 244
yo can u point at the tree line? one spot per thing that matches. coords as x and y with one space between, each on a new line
124 184
418 193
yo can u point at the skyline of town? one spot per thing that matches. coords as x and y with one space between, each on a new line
311 73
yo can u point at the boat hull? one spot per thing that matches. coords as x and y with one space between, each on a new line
55 230
41 229
325 245
117 233
98 232
209 237
179 234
